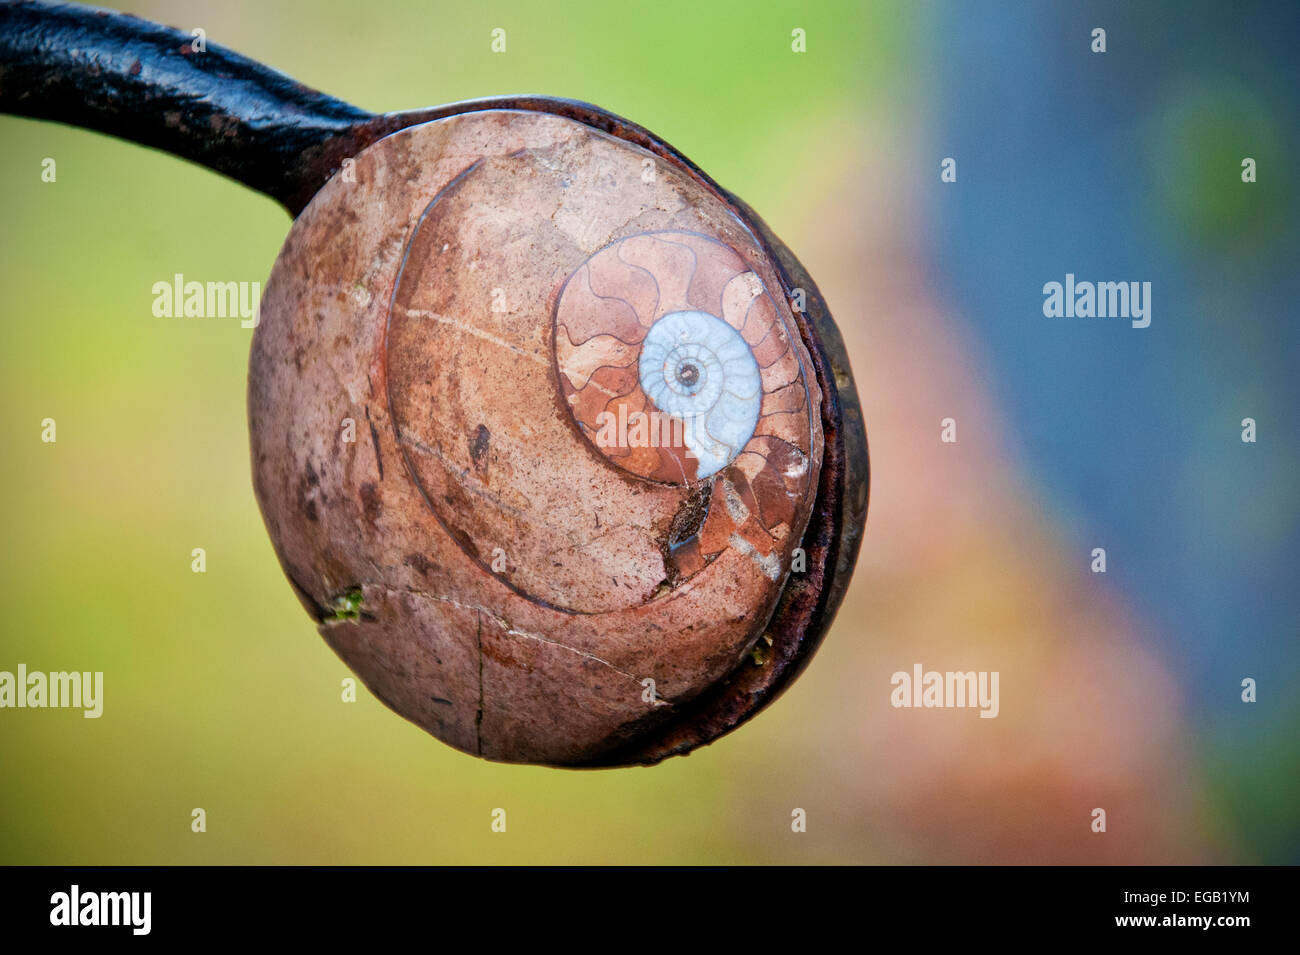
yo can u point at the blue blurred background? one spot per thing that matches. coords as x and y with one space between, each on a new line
1127 166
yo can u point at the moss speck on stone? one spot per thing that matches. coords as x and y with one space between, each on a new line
347 605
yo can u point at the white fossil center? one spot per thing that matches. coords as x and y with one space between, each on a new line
697 367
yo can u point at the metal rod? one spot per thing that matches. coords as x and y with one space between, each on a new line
147 83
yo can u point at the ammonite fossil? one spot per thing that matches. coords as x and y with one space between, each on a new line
554 439
677 366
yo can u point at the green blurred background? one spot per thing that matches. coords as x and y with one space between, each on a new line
220 695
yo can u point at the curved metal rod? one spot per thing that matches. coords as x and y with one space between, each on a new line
143 82
146 83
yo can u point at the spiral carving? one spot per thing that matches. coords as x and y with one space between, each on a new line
676 368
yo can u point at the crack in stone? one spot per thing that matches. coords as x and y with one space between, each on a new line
583 545
476 332
509 631
564 646
460 474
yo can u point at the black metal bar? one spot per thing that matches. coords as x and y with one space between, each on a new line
139 81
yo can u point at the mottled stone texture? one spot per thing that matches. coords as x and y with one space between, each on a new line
518 585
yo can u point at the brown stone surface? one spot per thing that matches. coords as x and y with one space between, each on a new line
517 583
